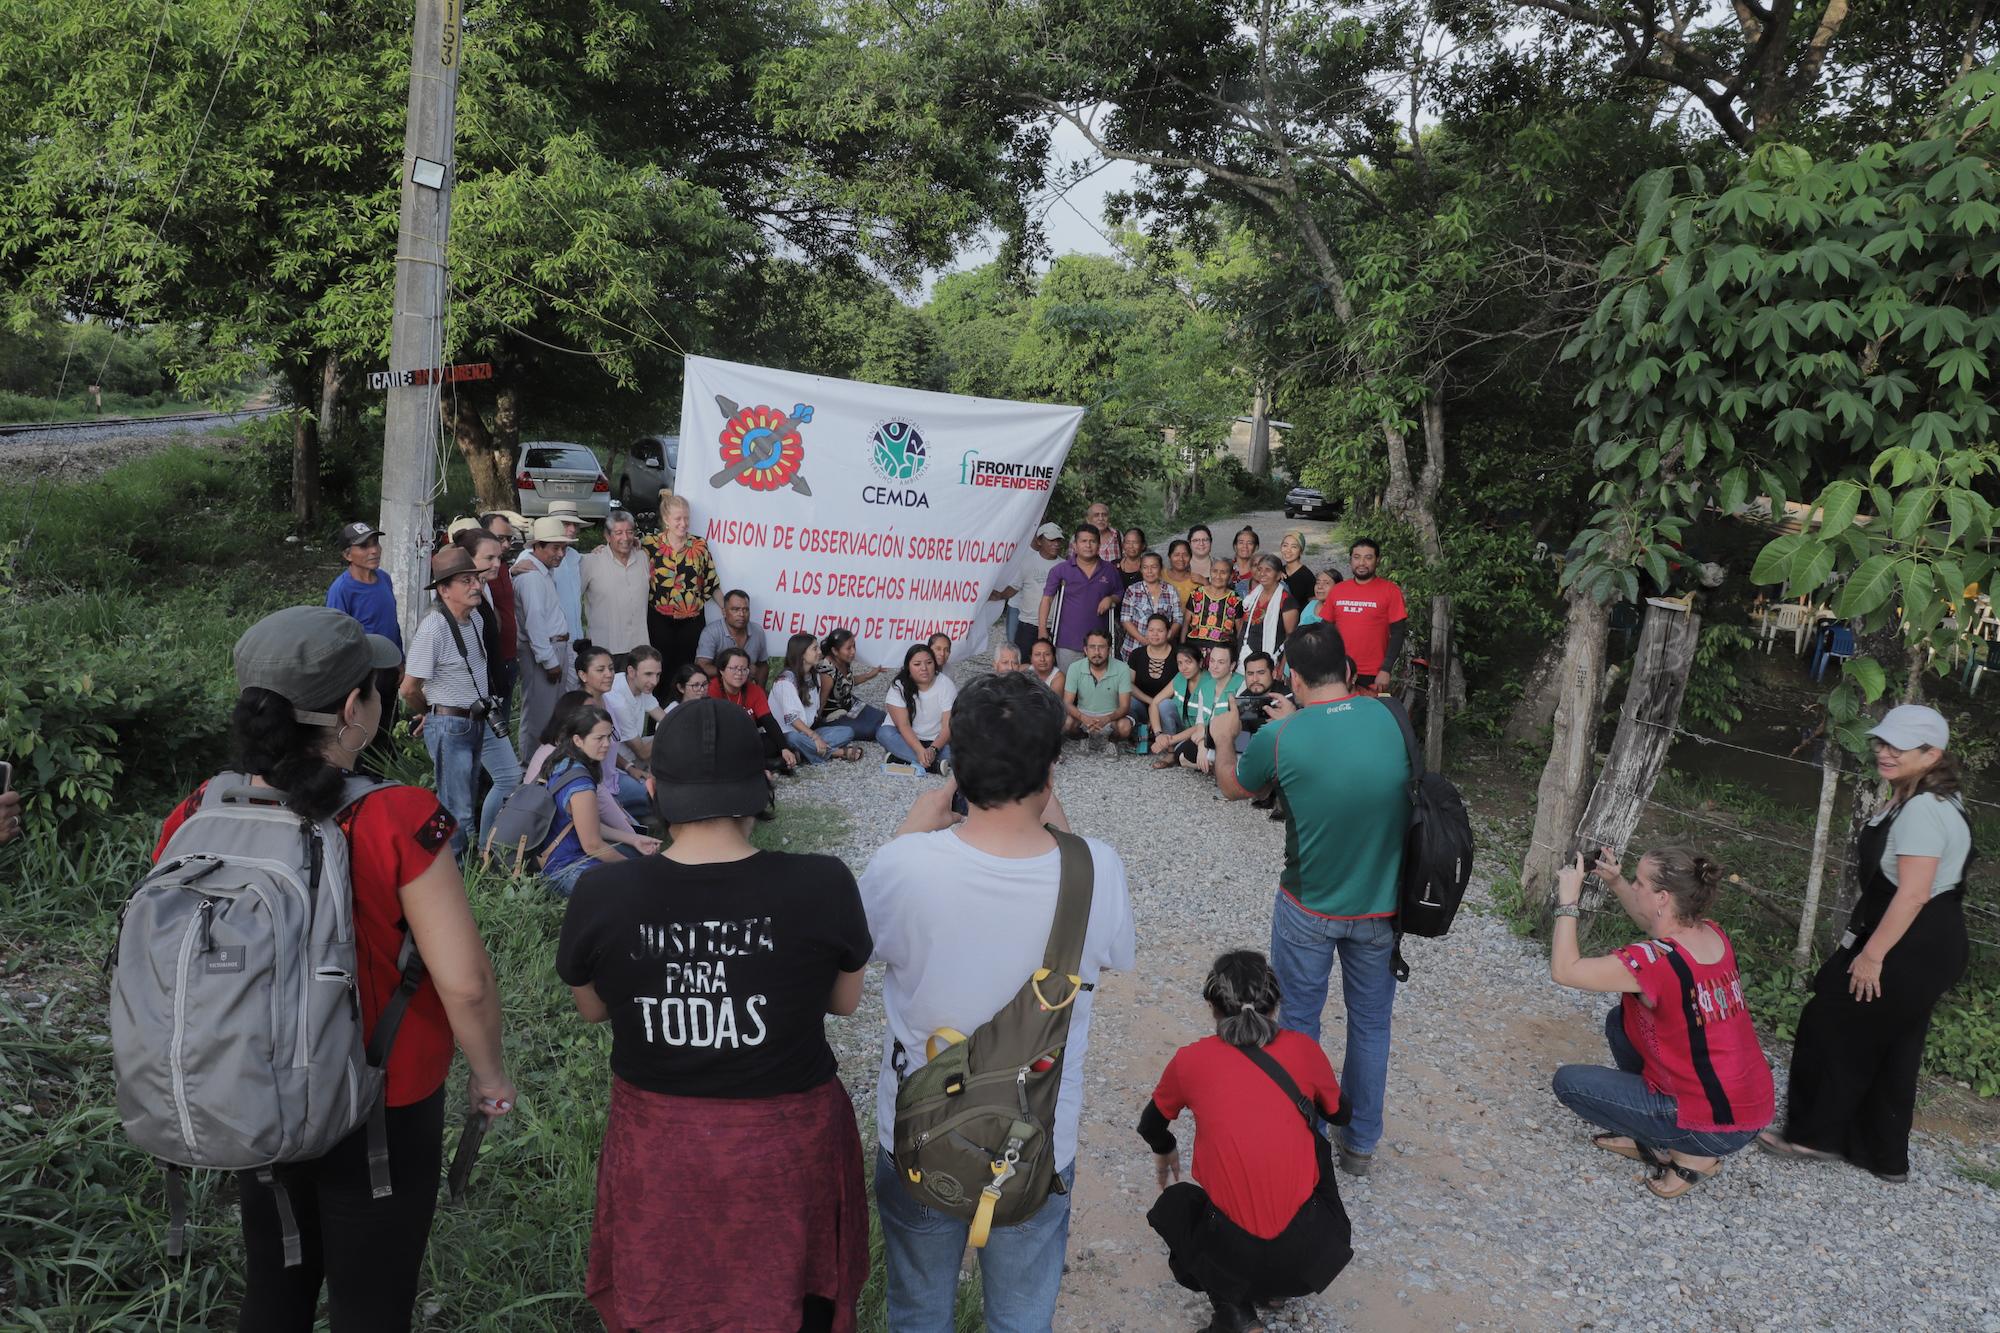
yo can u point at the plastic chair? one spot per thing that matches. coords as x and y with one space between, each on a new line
1835 641
1788 617
1980 660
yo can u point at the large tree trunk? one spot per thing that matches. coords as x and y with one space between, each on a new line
310 435
1646 725
1260 434
491 464
1565 783
1535 711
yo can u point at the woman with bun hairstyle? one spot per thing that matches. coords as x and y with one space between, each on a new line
1265 1223
308 706
1691 1084
1861 1036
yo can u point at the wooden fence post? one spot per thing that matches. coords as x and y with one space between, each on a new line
1646 725
1829 783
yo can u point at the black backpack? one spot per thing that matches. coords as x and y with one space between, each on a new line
1437 850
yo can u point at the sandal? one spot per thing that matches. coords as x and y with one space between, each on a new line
1670 1179
1623 1145
1779 1146
850 753
1166 760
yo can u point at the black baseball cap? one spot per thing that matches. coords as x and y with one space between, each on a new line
354 534
708 763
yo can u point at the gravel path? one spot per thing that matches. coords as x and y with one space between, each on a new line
1487 1207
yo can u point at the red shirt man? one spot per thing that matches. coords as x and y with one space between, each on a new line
1371 617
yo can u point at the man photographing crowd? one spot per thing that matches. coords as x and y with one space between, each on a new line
1337 758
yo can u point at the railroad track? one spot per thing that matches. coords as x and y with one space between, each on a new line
103 424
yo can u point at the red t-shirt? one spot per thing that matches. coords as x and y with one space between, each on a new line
1363 612
393 835
752 700
1696 1037
1252 1151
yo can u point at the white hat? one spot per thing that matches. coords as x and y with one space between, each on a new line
566 511
1906 726
1050 532
459 525
551 529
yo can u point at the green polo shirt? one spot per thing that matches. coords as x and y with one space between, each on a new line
1345 777
1098 697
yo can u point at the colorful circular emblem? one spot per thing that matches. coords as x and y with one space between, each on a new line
899 453
769 441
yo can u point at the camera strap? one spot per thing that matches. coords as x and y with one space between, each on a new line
458 641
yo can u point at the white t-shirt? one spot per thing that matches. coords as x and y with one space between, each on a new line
927 719
787 703
960 931
1030 576
628 710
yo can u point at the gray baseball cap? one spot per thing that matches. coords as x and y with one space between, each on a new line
310 655
1907 726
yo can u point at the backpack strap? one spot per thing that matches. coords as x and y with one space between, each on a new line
1063 955
1397 967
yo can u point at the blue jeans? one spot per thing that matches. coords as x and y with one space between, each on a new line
1170 716
459 748
1021 1265
892 740
1012 628
1618 1100
562 883
835 734
1302 953
634 800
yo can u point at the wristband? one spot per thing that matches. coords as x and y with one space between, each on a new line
1573 911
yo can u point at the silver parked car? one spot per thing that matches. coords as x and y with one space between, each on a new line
645 469
557 470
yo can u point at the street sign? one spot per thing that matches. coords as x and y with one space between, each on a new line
404 379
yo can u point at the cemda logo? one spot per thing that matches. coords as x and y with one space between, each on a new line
976 471
899 456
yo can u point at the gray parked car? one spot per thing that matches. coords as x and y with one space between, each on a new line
645 469
559 470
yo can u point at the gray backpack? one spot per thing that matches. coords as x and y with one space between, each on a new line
236 1031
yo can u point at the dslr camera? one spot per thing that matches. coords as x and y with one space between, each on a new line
1251 711
486 709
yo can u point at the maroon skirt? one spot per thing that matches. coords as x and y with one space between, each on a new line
717 1213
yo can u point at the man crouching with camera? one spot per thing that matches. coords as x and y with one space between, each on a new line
445 687
1338 759
1261 701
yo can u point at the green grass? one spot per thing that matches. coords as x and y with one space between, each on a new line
81 1218
78 407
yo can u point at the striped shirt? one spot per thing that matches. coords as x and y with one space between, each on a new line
433 659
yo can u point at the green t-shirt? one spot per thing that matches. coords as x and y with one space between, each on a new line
1345 776
1093 696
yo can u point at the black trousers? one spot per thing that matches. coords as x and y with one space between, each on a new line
1855 1064
368 1252
676 638
1209 1253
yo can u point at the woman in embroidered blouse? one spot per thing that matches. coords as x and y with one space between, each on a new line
684 581
1269 614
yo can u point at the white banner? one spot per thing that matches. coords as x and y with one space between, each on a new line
893 512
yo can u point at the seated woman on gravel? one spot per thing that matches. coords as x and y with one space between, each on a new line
1266 1222
1691 1084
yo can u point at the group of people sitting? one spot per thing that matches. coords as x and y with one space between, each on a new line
715 963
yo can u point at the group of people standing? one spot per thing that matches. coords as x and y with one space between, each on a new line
730 1184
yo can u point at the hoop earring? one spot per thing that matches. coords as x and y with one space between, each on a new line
340 739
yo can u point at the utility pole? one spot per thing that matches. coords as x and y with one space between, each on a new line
416 340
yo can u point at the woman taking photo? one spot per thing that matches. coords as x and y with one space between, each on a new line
1861 1036
307 709
1265 1223
1691 1085
732 684
1298 579
919 701
795 703
578 838
683 583
1269 613
729 1186
840 706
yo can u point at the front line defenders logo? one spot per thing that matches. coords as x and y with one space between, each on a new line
761 447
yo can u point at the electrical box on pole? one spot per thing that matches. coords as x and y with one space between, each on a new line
416 341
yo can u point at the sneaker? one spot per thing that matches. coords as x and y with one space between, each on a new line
1355 1163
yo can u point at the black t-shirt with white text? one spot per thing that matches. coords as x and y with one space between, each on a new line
716 976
